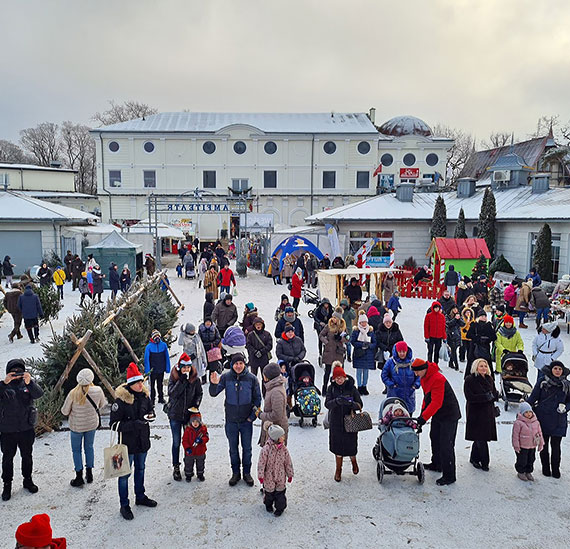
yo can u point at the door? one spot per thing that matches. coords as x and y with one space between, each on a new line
23 247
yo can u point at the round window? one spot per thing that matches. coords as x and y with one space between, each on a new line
239 147
270 147
432 159
329 147
364 147
409 159
387 159
149 146
113 146
209 147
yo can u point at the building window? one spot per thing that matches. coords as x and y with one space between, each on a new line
364 147
209 179
555 254
379 255
209 147
387 159
114 178
409 159
270 147
329 147
149 147
149 178
432 159
240 184
269 179
429 176
239 147
329 180
114 146
362 180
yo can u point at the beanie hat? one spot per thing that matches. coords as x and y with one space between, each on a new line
190 328
362 318
387 317
15 364
480 313
549 326
228 296
524 407
184 360
250 306
288 327
155 334
275 432
289 309
85 377
337 315
419 364
133 374
238 357
284 296
401 346
509 319
36 533
338 371
271 371
257 320
195 414
500 308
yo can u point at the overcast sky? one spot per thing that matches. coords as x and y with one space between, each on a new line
479 65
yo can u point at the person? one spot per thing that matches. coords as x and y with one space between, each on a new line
130 415
17 421
398 376
561 286
498 317
31 309
546 347
274 401
338 263
348 315
341 400
550 399
481 334
422 274
363 341
334 337
209 305
508 339
389 286
289 316
353 292
290 348
281 309
97 283
91 262
510 296
274 469
534 276
523 300
211 339
275 271
188 262
321 316
447 302
288 264
211 282
541 304
67 261
38 534
59 279
184 392
467 316
453 325
194 443
526 437
243 397
44 274
451 280
192 345
480 427
497 295
8 270
150 265
225 313
374 318
226 278
434 331
249 315
440 404
481 291
387 335
157 363
83 407
77 267
394 304
84 289
11 305
125 279
114 280
297 288
464 289
202 270
220 253
259 344
311 265
394 411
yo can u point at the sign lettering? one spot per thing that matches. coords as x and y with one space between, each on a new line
409 173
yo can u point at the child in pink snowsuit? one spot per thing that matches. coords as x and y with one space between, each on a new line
527 436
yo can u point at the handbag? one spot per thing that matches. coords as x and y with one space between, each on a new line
269 355
116 457
96 409
497 411
357 421
214 354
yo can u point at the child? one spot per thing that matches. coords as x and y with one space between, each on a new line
281 309
194 444
527 436
274 469
394 304
396 411
84 288
179 269
59 279
90 280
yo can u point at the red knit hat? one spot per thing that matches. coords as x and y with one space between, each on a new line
36 533
419 364
338 372
401 346
133 374
509 319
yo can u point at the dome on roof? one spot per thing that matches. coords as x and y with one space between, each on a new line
405 125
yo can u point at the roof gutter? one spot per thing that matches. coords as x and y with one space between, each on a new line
103 180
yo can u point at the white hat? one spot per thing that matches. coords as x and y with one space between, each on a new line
275 432
550 326
85 377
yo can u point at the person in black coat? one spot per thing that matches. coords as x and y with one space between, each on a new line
77 267
353 292
453 325
338 263
30 305
125 279
481 334
209 305
44 274
67 260
289 316
387 335
17 421
259 345
114 280
97 283
211 338
451 280
342 399
480 396
447 302
8 270
464 290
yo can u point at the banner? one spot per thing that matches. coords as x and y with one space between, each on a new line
333 240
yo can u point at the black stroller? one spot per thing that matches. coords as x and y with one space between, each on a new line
189 268
515 386
311 297
307 400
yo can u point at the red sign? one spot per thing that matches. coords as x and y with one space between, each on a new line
409 173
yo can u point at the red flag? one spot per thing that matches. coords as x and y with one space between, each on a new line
377 170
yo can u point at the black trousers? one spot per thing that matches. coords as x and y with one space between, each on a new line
442 437
9 444
158 381
76 279
189 462
277 498
326 377
32 327
17 324
296 301
434 345
480 452
525 460
552 460
464 350
453 356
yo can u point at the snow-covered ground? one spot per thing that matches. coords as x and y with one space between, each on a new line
494 509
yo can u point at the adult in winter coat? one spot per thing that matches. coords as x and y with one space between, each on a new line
211 338
464 289
130 414
480 427
551 400
338 263
77 267
275 273
389 286
225 314
497 295
510 296
534 276
353 292
434 331
451 280
67 260
209 305
8 270
334 337
447 302
275 401
290 348
481 291
150 265
11 305
348 315
249 315
508 339
17 420
482 334
83 406
114 280
398 376
546 347
387 335
226 278
31 309
59 280
321 317
325 262
44 274
342 399
193 347
184 392
541 304
97 283
211 282
523 300
157 363
363 341
297 288
259 345
440 404
467 316
243 397
289 316
453 325
288 264
311 265
374 318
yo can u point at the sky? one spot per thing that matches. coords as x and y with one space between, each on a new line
478 65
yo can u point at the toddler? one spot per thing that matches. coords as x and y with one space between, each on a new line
396 411
179 270
394 304
527 436
194 444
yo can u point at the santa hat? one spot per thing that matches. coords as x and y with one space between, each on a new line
184 360
36 533
133 374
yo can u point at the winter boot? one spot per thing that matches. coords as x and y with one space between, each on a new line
176 473
127 513
355 468
522 476
338 472
201 477
77 482
235 478
545 460
7 492
29 485
248 479
189 478
529 477
89 475
146 502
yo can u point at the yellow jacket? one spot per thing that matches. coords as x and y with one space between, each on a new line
59 277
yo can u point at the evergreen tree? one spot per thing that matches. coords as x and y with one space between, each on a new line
460 227
502 265
480 267
439 220
543 253
486 228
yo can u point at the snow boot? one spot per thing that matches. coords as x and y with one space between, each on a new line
77 482
29 485
248 479
89 475
201 477
176 473
7 492
146 502
127 513
522 476
235 478
338 472
355 468
529 477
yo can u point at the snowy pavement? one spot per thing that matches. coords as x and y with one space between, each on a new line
493 508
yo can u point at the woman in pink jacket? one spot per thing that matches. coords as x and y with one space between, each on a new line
527 436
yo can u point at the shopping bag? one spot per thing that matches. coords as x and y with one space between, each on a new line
357 421
326 421
234 292
116 457
444 353
214 354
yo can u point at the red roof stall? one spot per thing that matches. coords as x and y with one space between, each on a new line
462 253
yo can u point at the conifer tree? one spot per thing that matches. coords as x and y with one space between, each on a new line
486 228
543 253
500 264
439 220
480 267
460 227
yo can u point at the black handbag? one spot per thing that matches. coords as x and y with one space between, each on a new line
358 352
497 411
357 421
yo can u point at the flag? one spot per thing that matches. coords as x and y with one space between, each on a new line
333 240
378 170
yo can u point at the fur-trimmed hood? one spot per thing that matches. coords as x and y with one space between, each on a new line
122 393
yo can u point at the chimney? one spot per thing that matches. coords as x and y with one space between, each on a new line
466 187
540 183
405 192
55 164
372 115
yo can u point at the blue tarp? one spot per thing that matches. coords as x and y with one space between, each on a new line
295 244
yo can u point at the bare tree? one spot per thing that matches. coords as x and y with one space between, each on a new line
121 112
12 154
462 149
497 140
78 149
544 124
42 141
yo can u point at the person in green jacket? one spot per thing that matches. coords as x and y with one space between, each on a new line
508 339
348 315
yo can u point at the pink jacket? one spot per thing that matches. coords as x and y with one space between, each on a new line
527 433
510 295
274 466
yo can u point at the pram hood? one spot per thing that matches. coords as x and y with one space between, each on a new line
514 363
393 402
302 369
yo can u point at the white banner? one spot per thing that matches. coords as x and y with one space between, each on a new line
333 239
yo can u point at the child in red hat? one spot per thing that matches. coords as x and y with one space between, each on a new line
194 444
38 533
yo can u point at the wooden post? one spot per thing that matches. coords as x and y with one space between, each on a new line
80 346
167 284
125 342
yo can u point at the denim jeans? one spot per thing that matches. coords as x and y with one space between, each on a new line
362 377
224 290
522 315
176 428
139 461
234 431
86 440
542 313
451 290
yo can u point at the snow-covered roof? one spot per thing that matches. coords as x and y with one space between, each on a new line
58 194
405 125
164 230
510 161
514 204
211 122
34 167
116 241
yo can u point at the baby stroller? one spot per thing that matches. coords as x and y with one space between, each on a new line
515 386
189 268
398 445
311 297
307 401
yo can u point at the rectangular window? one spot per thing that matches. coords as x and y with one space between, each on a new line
382 243
362 180
555 253
269 179
114 178
240 184
329 180
209 179
149 179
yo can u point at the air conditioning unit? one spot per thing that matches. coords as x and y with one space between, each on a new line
504 175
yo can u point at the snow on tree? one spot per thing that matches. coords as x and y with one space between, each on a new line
486 228
439 220
500 264
543 253
460 227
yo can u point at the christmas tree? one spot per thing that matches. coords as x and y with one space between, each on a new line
500 264
439 220
460 227
486 227
543 253
480 267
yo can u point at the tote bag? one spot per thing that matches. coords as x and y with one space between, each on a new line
116 457
214 354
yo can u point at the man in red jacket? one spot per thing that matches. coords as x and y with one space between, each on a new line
440 404
434 331
225 279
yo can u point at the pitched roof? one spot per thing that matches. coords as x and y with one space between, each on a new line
8 165
460 248
115 241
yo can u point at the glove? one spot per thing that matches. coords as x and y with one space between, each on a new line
258 354
260 480
421 421
426 339
188 452
561 408
290 479
340 401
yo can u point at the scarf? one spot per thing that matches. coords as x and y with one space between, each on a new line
507 332
555 382
363 335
